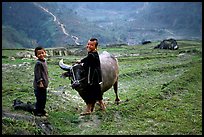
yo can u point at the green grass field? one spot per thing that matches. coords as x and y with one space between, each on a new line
161 93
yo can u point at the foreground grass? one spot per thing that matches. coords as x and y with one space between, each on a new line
161 93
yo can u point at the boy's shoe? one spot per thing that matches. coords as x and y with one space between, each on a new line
45 113
38 114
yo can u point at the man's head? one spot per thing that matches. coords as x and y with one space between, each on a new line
40 52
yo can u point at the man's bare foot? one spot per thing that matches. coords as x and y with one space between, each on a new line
102 105
85 113
88 110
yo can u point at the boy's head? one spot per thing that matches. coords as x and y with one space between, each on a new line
94 40
40 52
92 44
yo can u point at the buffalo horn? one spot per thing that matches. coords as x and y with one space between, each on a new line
64 66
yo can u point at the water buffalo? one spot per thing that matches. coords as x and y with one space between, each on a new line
79 79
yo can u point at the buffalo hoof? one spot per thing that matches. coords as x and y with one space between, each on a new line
117 102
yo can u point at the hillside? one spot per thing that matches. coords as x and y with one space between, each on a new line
54 24
27 18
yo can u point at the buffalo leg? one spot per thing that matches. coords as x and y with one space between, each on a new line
115 86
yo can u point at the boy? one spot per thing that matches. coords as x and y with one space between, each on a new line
40 82
93 68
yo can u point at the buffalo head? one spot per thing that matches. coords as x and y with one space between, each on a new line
77 75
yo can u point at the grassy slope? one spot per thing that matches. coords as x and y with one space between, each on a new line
161 93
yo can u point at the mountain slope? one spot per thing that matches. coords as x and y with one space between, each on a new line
30 19
53 24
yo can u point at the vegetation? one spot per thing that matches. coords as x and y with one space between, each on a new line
25 24
161 93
